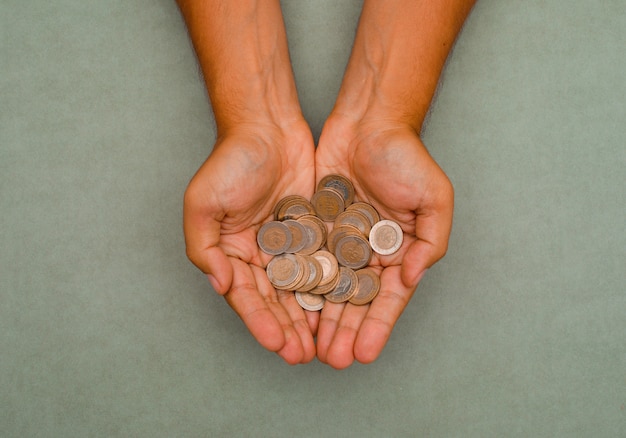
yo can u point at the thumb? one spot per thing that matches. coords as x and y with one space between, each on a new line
433 232
416 262
202 236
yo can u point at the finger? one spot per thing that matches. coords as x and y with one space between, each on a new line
202 235
296 314
313 319
382 315
292 351
432 228
329 320
252 308
341 350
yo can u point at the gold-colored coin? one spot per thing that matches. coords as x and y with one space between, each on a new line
386 237
292 207
369 286
309 301
367 209
299 235
328 203
356 219
338 233
274 238
283 271
340 183
346 287
353 252
315 274
316 232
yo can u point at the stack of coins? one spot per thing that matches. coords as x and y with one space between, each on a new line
322 266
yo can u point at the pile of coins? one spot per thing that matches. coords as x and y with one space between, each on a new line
322 266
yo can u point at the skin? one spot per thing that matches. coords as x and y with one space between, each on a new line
372 137
264 151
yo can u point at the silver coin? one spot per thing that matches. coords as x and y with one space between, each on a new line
309 301
386 237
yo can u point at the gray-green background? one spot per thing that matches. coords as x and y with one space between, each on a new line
107 330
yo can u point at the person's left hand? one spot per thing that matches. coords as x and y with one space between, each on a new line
392 170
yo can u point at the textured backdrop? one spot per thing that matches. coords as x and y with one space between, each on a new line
107 330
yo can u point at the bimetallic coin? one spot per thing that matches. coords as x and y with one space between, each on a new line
356 219
274 238
323 289
353 252
386 237
329 265
292 207
305 273
299 235
330 272
346 287
309 301
283 271
315 274
338 233
367 209
279 205
328 203
315 234
369 285
340 183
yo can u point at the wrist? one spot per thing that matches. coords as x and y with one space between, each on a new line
375 90
255 101
242 50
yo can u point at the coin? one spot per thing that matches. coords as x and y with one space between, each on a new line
280 204
329 265
369 285
304 274
274 238
316 232
323 289
299 235
292 207
346 287
315 274
330 272
356 219
386 237
310 301
340 183
353 252
283 270
328 203
367 209
339 232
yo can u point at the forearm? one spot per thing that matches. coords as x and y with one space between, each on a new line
242 50
400 48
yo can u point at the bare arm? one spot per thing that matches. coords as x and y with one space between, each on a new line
242 49
372 136
399 52
263 152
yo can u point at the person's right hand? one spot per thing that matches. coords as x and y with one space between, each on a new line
230 197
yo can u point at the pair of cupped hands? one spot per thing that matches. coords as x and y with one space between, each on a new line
255 164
